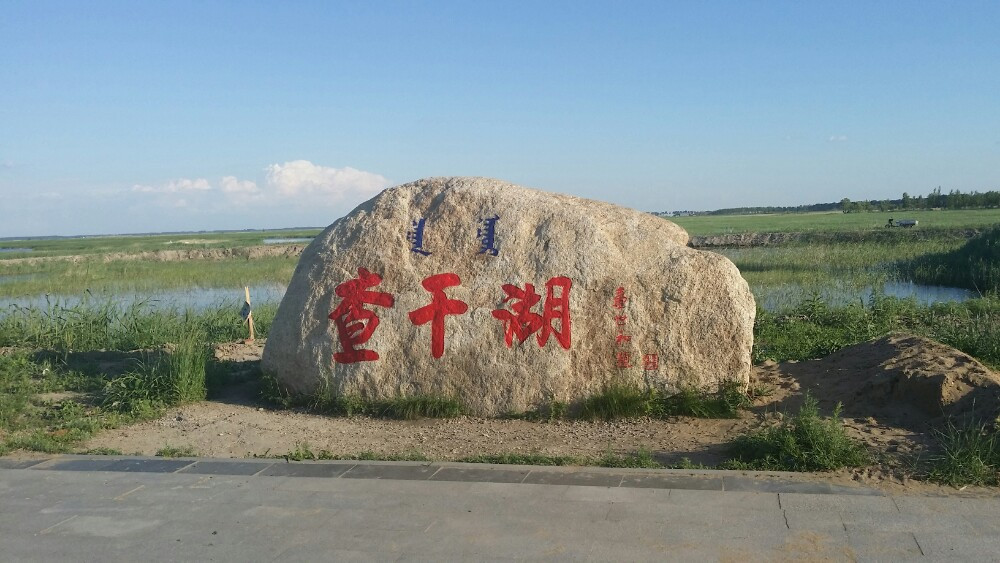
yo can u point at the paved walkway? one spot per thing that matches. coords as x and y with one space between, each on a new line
127 509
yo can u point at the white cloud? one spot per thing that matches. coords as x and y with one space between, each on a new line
837 138
232 185
6 164
180 185
302 178
297 192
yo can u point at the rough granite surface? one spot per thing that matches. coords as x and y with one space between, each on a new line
643 308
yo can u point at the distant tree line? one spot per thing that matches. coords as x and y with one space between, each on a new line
954 199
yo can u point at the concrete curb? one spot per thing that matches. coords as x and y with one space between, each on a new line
703 480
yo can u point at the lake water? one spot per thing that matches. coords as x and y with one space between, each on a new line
16 250
285 240
772 298
776 298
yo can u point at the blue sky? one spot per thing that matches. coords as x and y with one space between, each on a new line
152 116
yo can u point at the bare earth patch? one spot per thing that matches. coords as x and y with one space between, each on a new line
893 391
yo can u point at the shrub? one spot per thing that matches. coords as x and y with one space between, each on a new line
803 442
969 454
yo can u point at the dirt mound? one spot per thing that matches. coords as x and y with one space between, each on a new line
910 380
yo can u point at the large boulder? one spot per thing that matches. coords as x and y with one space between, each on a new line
506 298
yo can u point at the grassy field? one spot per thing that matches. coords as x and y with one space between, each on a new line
834 221
129 277
143 243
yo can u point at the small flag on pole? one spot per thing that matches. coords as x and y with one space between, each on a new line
246 313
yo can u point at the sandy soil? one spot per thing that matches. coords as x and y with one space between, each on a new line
888 389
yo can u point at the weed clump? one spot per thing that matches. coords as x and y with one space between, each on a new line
325 401
160 381
304 452
969 455
803 442
176 451
619 401
641 459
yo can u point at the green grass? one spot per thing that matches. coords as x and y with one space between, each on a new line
303 452
969 454
162 380
144 243
819 265
618 401
176 451
324 400
103 325
815 330
30 421
975 265
138 277
835 221
805 441
103 451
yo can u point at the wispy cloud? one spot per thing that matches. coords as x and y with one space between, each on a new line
181 185
292 187
836 138
6 164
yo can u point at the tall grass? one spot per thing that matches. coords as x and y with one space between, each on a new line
137 276
178 376
815 330
976 265
142 243
969 454
105 325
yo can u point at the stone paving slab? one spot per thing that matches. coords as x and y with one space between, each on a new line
18 463
673 482
397 472
226 467
329 470
480 475
80 515
578 478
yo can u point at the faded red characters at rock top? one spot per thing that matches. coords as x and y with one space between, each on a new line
355 324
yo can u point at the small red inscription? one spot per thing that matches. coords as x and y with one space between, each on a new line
620 299
354 323
439 307
650 362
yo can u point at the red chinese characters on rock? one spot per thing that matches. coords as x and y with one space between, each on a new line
651 362
521 322
354 323
440 307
